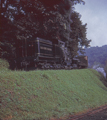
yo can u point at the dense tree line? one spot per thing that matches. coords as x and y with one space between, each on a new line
97 55
27 19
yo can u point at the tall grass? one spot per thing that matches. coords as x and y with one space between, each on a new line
42 95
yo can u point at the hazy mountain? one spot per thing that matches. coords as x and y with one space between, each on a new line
97 55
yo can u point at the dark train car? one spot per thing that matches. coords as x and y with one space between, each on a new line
46 54
25 53
39 53
49 54
81 61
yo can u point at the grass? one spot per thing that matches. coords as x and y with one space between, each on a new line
41 95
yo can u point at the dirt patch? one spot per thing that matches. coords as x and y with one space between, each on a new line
99 113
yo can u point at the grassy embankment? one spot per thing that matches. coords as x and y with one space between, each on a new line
40 95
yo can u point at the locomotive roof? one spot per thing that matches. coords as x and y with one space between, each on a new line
43 40
55 41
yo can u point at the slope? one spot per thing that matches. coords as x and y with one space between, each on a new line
45 94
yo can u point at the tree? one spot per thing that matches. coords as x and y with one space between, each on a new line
78 39
50 18
40 18
7 37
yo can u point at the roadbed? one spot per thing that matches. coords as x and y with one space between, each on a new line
95 114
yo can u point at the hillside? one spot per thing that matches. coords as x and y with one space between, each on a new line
97 54
44 94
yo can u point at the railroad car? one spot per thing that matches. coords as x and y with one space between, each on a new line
46 54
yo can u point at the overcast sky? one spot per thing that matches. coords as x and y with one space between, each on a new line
94 13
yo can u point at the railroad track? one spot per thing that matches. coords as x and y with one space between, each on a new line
90 112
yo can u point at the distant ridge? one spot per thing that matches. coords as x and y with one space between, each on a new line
97 54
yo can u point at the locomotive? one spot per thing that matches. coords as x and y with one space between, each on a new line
46 54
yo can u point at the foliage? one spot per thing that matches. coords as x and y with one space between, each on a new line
97 54
28 19
7 32
78 34
4 65
49 94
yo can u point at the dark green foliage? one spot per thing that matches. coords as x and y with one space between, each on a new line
7 38
27 19
78 34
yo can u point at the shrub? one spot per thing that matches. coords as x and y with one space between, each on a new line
4 64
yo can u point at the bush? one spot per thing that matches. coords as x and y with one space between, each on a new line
4 64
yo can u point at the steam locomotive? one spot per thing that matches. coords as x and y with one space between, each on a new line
46 54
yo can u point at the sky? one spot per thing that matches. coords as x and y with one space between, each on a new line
94 13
